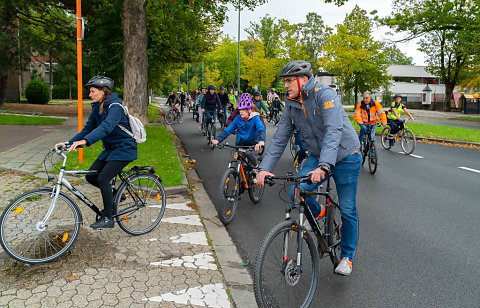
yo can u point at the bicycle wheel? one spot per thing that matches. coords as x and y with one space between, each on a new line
179 117
228 194
372 159
26 239
143 206
385 142
221 120
210 135
364 149
334 231
276 281
408 142
169 117
255 190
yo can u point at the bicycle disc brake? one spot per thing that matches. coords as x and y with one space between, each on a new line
291 275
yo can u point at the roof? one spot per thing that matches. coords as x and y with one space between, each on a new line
468 96
409 71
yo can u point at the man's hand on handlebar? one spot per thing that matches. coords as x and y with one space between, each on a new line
77 144
261 176
258 146
317 175
215 142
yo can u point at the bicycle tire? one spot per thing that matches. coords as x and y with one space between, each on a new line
372 159
408 142
136 217
273 287
221 120
255 190
228 195
334 232
385 142
21 219
364 149
170 117
179 117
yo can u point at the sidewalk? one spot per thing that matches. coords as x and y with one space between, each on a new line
187 260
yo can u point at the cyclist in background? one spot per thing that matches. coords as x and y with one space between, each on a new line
394 121
210 105
259 103
271 95
172 100
224 100
368 112
232 101
332 142
277 106
199 100
119 148
183 99
249 128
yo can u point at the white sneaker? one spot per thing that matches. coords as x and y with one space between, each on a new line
344 268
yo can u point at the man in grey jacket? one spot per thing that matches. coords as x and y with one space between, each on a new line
318 115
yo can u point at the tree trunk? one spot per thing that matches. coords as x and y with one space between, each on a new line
8 50
134 27
50 70
449 87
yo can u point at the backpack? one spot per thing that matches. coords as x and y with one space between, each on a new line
138 129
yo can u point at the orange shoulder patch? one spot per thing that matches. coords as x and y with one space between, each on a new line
316 89
328 104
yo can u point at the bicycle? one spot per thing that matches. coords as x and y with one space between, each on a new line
235 181
210 132
367 148
221 119
173 115
408 140
41 225
286 266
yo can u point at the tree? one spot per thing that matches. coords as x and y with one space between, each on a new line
260 70
225 57
450 32
212 77
268 32
396 56
354 56
312 36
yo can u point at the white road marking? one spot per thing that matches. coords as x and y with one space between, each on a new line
194 238
193 220
210 295
202 260
152 239
179 206
413 155
469 169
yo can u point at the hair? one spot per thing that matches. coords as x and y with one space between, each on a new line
255 108
106 94
367 92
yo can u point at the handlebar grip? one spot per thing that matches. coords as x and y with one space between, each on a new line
268 180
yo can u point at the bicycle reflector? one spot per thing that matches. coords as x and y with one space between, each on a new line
18 210
65 237
235 155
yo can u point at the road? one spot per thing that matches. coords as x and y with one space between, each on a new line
419 235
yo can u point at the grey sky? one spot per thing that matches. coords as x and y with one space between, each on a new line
295 12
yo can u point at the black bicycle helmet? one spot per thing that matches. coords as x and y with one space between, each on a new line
210 87
396 95
257 93
100 82
296 68
222 88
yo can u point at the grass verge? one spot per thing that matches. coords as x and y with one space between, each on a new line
469 118
158 151
28 120
437 131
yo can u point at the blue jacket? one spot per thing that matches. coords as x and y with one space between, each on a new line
211 102
249 132
118 145
260 105
322 123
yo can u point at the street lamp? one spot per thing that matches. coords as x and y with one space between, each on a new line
238 73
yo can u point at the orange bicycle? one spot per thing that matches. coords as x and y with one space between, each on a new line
238 178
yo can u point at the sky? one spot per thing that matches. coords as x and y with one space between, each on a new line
296 11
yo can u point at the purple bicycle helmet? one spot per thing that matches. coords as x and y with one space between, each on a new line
245 101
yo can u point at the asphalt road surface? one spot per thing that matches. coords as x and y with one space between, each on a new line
419 225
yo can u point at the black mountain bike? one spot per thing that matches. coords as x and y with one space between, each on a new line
173 115
367 148
286 266
41 225
209 133
237 179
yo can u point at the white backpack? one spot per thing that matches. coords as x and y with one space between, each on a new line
138 129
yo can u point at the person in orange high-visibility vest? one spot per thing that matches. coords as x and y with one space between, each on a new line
368 111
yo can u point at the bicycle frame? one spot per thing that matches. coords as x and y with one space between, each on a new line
237 164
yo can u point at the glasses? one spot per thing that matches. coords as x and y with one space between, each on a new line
289 80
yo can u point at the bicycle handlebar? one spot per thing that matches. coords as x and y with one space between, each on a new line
236 147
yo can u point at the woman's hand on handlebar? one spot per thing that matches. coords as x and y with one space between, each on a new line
261 176
59 145
215 142
77 144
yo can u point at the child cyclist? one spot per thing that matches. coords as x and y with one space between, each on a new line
249 128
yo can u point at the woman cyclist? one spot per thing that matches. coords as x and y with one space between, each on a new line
119 148
249 128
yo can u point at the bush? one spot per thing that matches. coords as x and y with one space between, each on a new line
37 92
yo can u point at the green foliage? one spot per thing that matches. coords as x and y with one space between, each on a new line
28 120
37 92
355 57
260 70
225 57
395 56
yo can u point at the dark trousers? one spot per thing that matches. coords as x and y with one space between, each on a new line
107 171
395 125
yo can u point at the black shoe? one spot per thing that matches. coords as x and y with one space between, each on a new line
122 198
103 223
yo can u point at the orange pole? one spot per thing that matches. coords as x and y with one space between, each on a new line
79 74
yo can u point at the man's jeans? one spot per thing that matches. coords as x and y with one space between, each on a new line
211 114
363 130
345 173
